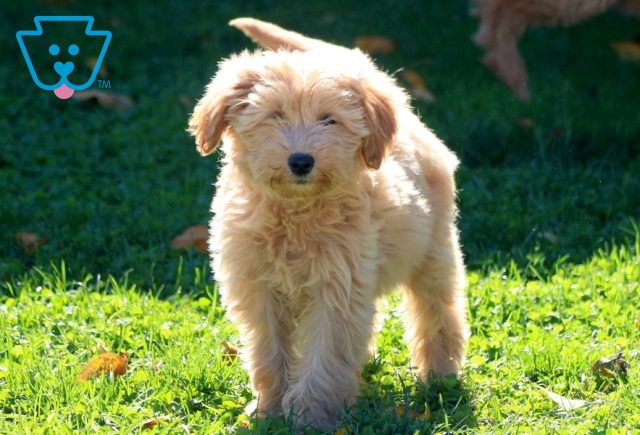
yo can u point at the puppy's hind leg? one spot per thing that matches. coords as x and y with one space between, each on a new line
435 308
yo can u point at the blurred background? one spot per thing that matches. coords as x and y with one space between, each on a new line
104 184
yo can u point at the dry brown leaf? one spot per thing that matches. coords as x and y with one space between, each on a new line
525 123
29 242
105 99
627 50
91 63
555 134
186 100
400 412
105 363
195 236
611 366
152 422
148 424
417 87
413 78
231 352
374 44
564 403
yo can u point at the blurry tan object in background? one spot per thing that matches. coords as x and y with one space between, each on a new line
503 22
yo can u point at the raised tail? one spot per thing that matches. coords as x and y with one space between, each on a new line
272 37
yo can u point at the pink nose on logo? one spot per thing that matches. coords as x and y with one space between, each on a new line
64 69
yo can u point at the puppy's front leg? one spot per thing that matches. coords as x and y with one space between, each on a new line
265 325
333 332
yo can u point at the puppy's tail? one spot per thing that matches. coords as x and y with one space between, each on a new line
272 37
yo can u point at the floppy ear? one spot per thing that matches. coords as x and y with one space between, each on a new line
225 94
380 116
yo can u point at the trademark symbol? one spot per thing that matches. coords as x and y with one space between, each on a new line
104 84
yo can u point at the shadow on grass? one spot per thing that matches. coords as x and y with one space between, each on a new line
440 404
540 214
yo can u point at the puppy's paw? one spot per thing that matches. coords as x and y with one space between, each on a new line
261 409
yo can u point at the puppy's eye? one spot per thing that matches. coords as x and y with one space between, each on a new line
278 116
327 120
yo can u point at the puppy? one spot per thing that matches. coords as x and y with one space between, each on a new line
331 193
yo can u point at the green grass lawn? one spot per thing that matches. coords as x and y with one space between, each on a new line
550 221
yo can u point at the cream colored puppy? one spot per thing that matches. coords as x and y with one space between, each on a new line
332 192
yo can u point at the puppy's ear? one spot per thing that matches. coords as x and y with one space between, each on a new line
380 116
225 94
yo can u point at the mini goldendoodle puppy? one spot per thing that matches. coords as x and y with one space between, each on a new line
332 192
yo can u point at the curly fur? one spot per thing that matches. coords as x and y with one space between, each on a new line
300 263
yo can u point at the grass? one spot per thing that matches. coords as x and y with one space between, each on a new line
549 221
526 333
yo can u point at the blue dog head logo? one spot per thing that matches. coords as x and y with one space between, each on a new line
63 58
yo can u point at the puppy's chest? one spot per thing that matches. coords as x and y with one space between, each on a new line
301 249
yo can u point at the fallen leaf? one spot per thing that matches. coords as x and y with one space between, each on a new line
401 412
91 63
418 89
525 123
104 363
627 50
413 78
555 134
148 424
195 236
564 403
152 422
186 100
105 99
611 366
29 242
374 44
231 352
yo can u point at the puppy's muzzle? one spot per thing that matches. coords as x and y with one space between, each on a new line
301 164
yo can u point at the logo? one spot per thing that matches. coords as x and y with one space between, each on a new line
52 63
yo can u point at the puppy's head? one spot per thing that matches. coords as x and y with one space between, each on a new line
298 123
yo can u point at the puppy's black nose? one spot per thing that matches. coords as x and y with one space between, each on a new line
300 163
